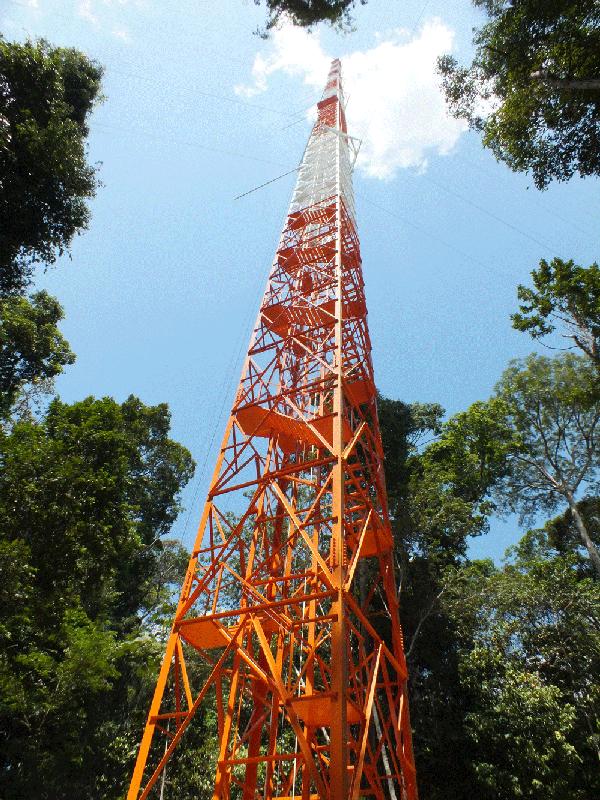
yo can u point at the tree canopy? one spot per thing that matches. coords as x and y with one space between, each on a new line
88 490
528 649
307 13
85 496
532 87
565 296
535 442
32 349
496 712
553 408
437 494
46 96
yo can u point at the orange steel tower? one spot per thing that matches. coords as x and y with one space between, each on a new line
288 617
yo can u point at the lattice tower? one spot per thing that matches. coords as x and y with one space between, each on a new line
287 622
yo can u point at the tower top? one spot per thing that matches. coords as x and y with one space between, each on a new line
327 163
333 91
334 79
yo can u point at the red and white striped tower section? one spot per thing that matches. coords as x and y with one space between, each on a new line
287 625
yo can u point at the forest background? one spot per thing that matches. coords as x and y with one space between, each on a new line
503 659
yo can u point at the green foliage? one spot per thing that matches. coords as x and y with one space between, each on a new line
403 427
87 491
567 296
440 495
85 495
460 468
529 663
502 663
520 730
46 96
544 124
110 479
562 530
307 13
532 447
554 411
32 349
436 501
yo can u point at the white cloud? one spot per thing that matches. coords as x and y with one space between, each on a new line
295 52
395 102
85 11
122 34
93 10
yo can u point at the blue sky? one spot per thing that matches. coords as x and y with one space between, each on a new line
162 291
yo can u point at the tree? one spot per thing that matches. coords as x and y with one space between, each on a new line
86 493
32 349
529 643
437 479
502 662
454 475
46 96
554 409
536 439
307 13
567 296
528 88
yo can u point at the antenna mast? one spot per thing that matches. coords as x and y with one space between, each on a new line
287 623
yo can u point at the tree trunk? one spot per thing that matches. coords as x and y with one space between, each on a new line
583 532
